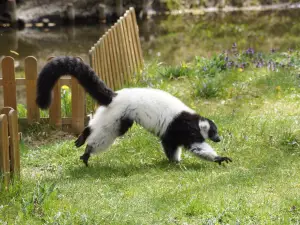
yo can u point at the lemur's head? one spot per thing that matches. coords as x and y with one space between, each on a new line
208 129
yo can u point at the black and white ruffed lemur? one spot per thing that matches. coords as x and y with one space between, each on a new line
159 112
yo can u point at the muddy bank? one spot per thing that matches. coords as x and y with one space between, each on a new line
88 11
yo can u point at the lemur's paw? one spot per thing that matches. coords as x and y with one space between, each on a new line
220 159
85 158
80 141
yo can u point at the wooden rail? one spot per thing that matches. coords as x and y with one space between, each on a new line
9 83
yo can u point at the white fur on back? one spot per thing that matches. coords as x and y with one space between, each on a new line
151 108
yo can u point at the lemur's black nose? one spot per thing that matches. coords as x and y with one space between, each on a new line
216 138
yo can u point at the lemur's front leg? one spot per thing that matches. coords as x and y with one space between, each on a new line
205 151
173 152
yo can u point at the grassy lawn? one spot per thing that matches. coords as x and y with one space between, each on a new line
258 114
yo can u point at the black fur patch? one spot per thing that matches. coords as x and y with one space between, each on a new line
85 75
213 131
183 131
83 136
124 126
87 154
170 149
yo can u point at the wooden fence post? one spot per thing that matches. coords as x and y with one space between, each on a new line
14 143
9 82
4 154
13 133
33 112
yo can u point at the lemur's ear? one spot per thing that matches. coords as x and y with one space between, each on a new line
204 125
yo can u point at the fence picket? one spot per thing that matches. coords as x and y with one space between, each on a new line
137 38
14 143
115 59
128 48
96 61
33 112
123 55
118 57
105 74
112 59
9 82
133 45
97 54
127 23
108 61
4 154
100 54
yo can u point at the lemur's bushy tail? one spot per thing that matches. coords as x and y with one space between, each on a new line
66 65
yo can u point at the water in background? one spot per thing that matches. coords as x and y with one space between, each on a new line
170 39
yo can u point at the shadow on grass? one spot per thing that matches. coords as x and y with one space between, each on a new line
107 171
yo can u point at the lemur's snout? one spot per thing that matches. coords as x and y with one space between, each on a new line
215 138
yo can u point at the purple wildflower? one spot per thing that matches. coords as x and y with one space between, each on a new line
250 51
259 64
229 64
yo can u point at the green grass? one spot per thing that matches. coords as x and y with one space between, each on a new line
133 183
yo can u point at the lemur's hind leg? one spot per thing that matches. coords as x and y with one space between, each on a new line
85 157
173 152
83 136
102 138
101 142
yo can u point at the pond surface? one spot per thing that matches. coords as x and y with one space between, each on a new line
171 39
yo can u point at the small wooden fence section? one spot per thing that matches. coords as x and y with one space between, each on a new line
118 55
9 147
9 83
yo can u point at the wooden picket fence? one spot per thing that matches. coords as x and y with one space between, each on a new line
116 58
76 122
117 55
9 147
